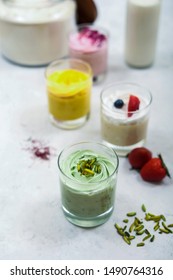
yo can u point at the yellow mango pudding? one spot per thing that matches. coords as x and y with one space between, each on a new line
69 85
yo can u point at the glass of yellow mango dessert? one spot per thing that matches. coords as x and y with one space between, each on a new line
69 83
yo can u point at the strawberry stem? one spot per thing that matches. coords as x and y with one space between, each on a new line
164 166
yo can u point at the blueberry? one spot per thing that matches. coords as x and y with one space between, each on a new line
119 103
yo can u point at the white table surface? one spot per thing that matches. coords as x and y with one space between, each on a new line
32 225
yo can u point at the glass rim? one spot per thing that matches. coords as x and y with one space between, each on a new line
88 142
37 3
107 87
62 60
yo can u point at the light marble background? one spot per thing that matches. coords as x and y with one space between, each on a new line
32 225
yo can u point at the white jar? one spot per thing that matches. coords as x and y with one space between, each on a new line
35 32
141 32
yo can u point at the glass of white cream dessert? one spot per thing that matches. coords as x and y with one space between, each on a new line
88 175
90 43
124 116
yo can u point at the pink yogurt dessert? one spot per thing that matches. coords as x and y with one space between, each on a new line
90 45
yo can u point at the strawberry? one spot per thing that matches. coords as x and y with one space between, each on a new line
154 170
138 157
133 104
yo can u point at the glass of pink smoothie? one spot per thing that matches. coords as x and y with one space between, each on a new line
90 43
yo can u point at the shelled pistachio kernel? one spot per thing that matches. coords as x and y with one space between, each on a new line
131 214
170 225
146 237
131 227
156 227
139 228
152 238
143 208
126 221
141 244
127 240
166 227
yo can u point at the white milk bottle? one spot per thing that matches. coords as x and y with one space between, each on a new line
141 32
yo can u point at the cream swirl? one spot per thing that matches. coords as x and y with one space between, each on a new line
88 40
70 166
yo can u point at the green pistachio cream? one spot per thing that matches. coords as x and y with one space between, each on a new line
88 184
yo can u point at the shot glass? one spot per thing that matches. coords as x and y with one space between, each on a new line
69 83
90 43
88 175
125 111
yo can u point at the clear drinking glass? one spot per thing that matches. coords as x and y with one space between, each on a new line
121 129
69 83
90 43
88 175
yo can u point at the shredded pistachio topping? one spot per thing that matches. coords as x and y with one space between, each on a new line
89 167
137 227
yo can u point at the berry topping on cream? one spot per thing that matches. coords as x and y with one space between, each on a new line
128 104
119 103
88 40
133 104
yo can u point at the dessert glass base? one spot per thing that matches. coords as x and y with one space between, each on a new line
87 222
99 78
123 151
71 124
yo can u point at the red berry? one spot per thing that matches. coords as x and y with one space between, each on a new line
154 170
139 156
133 104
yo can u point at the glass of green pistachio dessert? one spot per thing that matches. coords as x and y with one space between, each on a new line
88 175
